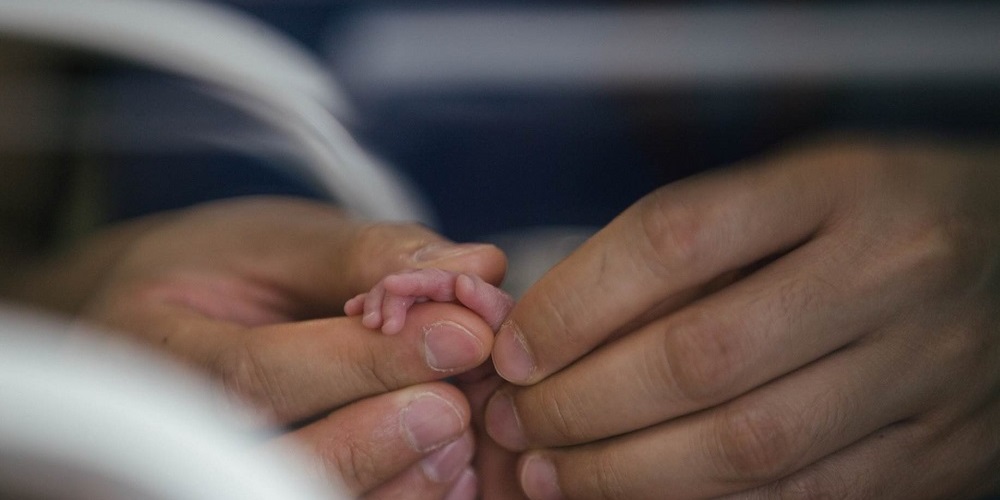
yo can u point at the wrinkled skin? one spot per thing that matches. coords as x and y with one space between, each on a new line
250 292
824 323
386 306
829 313
820 323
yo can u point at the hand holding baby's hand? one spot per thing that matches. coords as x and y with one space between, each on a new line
386 307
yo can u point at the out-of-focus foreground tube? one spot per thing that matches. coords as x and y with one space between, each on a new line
82 416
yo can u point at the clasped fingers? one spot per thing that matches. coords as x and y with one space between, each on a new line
295 371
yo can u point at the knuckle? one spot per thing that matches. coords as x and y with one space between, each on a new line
245 380
672 233
368 369
349 462
927 258
609 479
375 238
380 248
374 371
754 445
808 291
938 253
702 357
561 313
566 417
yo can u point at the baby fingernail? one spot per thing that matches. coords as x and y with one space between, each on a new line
445 464
430 421
449 346
538 479
443 250
503 424
510 355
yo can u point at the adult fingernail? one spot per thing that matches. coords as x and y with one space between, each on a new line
449 346
443 250
430 421
444 465
538 479
503 424
510 355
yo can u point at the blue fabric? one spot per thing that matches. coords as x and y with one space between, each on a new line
495 160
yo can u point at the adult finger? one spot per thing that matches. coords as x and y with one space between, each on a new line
378 250
496 466
365 445
310 251
671 242
416 484
782 317
910 459
757 439
300 369
294 371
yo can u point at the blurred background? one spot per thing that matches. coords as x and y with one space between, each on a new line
526 123
514 119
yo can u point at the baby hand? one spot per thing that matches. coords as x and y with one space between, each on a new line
386 304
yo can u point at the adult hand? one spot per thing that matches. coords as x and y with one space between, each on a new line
820 323
248 291
496 467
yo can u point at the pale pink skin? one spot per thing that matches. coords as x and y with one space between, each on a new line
386 304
